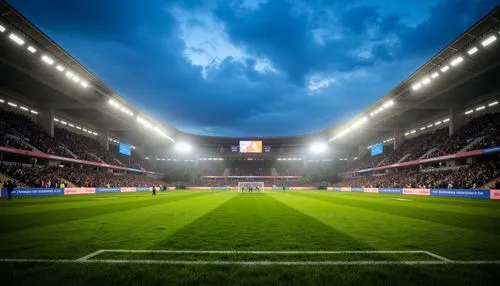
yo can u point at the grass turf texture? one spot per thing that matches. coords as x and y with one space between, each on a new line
73 226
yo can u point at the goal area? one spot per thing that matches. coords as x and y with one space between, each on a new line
251 186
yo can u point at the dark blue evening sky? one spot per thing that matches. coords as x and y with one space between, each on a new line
253 67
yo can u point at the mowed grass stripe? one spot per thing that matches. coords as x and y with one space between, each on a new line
488 208
27 205
258 222
88 209
135 228
381 203
384 230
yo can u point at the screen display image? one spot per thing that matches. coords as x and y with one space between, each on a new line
125 149
251 146
377 149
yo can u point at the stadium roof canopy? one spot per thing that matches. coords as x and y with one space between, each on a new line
30 80
463 75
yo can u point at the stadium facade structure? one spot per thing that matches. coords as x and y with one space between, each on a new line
443 90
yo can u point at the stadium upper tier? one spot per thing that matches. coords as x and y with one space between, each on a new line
479 133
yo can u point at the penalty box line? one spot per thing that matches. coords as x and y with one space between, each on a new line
258 252
256 263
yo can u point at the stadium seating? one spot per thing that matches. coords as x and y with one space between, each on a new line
469 176
37 176
20 131
484 129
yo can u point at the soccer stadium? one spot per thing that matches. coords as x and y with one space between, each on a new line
97 190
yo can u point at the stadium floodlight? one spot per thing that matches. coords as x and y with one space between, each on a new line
407 133
472 51
71 125
2 101
48 60
435 75
64 122
60 68
426 80
480 108
413 131
422 128
56 120
16 39
78 127
437 123
388 104
2 28
34 111
489 40
84 84
31 49
445 69
416 86
23 108
95 134
446 120
182 147
469 111
493 103
430 125
76 79
12 104
318 147
69 74
456 61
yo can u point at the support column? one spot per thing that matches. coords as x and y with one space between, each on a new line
399 138
457 119
103 139
46 120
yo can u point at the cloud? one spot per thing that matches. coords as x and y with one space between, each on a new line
253 67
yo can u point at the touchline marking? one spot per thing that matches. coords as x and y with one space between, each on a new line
218 262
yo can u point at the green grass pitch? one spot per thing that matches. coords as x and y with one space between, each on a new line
226 237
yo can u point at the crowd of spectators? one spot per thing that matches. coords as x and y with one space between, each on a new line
486 127
466 177
38 176
64 143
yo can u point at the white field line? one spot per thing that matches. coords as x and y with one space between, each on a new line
264 252
438 256
91 255
204 262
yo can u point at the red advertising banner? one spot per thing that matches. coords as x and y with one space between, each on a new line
417 192
79 191
495 194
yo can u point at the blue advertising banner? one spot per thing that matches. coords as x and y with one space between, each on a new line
357 190
142 189
491 150
220 188
461 193
33 192
107 190
395 191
